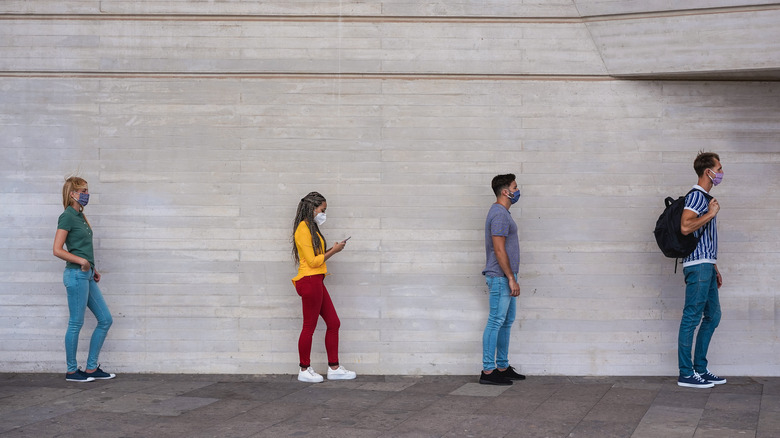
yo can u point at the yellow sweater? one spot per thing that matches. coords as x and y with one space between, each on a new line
310 264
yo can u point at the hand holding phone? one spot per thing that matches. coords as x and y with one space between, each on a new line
345 240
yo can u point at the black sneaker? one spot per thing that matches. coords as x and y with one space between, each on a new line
511 374
494 378
78 376
99 374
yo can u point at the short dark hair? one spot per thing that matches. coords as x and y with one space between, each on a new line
704 161
501 182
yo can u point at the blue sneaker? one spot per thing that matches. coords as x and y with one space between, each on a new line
708 376
78 376
99 374
694 381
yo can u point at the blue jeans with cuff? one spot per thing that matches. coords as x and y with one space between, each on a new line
495 339
83 294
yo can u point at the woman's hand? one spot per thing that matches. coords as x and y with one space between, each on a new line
336 248
85 266
96 276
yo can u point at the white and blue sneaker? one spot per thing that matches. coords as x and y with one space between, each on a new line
694 381
708 376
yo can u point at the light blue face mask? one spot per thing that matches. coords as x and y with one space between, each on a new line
515 197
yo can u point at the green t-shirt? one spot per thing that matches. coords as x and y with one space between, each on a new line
79 240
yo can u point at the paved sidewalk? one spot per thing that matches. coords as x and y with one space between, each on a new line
157 405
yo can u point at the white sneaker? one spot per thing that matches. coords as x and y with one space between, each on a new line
309 376
340 373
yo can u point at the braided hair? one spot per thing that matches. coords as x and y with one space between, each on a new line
305 214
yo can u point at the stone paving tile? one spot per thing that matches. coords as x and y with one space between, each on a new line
85 424
668 422
29 415
675 396
175 406
386 386
562 410
265 391
381 419
479 390
284 430
542 428
411 402
768 424
19 397
456 404
314 394
729 419
269 413
533 392
617 413
222 410
515 407
629 396
360 400
733 401
770 403
723 433
441 387
587 393
484 426
602 429
133 402
426 424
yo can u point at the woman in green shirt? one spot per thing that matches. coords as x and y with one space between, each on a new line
81 281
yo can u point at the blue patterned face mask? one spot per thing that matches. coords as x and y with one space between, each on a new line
515 197
83 199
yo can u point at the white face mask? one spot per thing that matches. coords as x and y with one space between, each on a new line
320 218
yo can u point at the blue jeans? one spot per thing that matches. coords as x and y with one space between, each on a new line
83 293
495 339
701 299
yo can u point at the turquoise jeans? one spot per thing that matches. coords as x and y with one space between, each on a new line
83 294
701 305
495 339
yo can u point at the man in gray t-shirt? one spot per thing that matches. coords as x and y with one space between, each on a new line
502 254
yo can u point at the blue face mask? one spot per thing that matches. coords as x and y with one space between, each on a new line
515 197
83 199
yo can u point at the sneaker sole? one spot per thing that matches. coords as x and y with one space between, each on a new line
720 382
103 378
91 379
342 377
309 381
696 385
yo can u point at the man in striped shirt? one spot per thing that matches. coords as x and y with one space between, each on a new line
702 278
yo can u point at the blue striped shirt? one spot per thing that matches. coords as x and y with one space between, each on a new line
707 249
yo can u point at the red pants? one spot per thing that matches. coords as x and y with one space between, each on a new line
316 302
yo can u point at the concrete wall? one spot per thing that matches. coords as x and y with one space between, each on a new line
199 135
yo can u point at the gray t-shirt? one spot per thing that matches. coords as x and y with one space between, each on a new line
499 222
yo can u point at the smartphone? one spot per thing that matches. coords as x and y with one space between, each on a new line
345 240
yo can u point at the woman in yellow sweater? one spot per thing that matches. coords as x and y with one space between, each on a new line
310 254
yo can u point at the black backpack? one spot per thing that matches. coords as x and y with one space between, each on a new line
667 229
